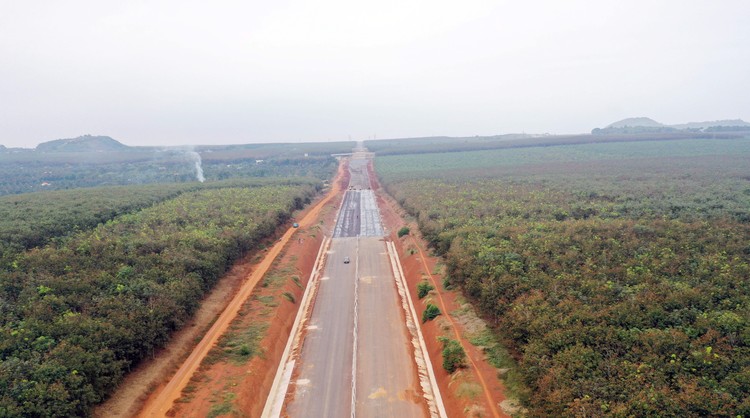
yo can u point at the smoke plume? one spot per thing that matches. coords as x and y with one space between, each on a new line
196 158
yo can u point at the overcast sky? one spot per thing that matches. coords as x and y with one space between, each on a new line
200 72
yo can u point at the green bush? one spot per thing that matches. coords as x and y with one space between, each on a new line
447 283
430 312
403 231
423 288
454 356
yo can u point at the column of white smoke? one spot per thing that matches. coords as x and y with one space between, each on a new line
198 168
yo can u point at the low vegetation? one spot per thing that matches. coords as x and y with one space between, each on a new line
430 312
454 356
615 274
424 288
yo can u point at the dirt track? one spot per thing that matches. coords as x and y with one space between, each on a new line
160 405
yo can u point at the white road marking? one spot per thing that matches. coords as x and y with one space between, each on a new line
354 343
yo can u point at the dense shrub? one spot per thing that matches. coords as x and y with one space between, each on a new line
430 312
423 288
454 356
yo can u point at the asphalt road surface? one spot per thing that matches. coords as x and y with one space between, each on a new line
357 358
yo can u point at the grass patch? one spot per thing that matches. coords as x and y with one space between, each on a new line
499 357
224 407
239 346
296 281
288 296
268 301
277 276
468 390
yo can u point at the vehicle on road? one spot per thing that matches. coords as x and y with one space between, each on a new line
296 225
346 260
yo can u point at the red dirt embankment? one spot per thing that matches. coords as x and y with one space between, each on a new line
419 266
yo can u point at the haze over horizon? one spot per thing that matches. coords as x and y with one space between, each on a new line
185 72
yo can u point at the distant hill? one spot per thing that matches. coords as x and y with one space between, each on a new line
636 122
2 148
644 125
712 124
85 143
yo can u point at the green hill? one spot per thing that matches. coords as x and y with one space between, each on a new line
85 143
636 122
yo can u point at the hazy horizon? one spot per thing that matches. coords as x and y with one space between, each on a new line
189 73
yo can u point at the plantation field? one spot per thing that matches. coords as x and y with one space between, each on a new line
30 171
615 274
33 219
442 144
479 161
94 280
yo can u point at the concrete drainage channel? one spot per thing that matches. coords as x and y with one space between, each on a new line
275 400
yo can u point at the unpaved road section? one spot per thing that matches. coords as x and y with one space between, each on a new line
387 381
357 357
160 405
